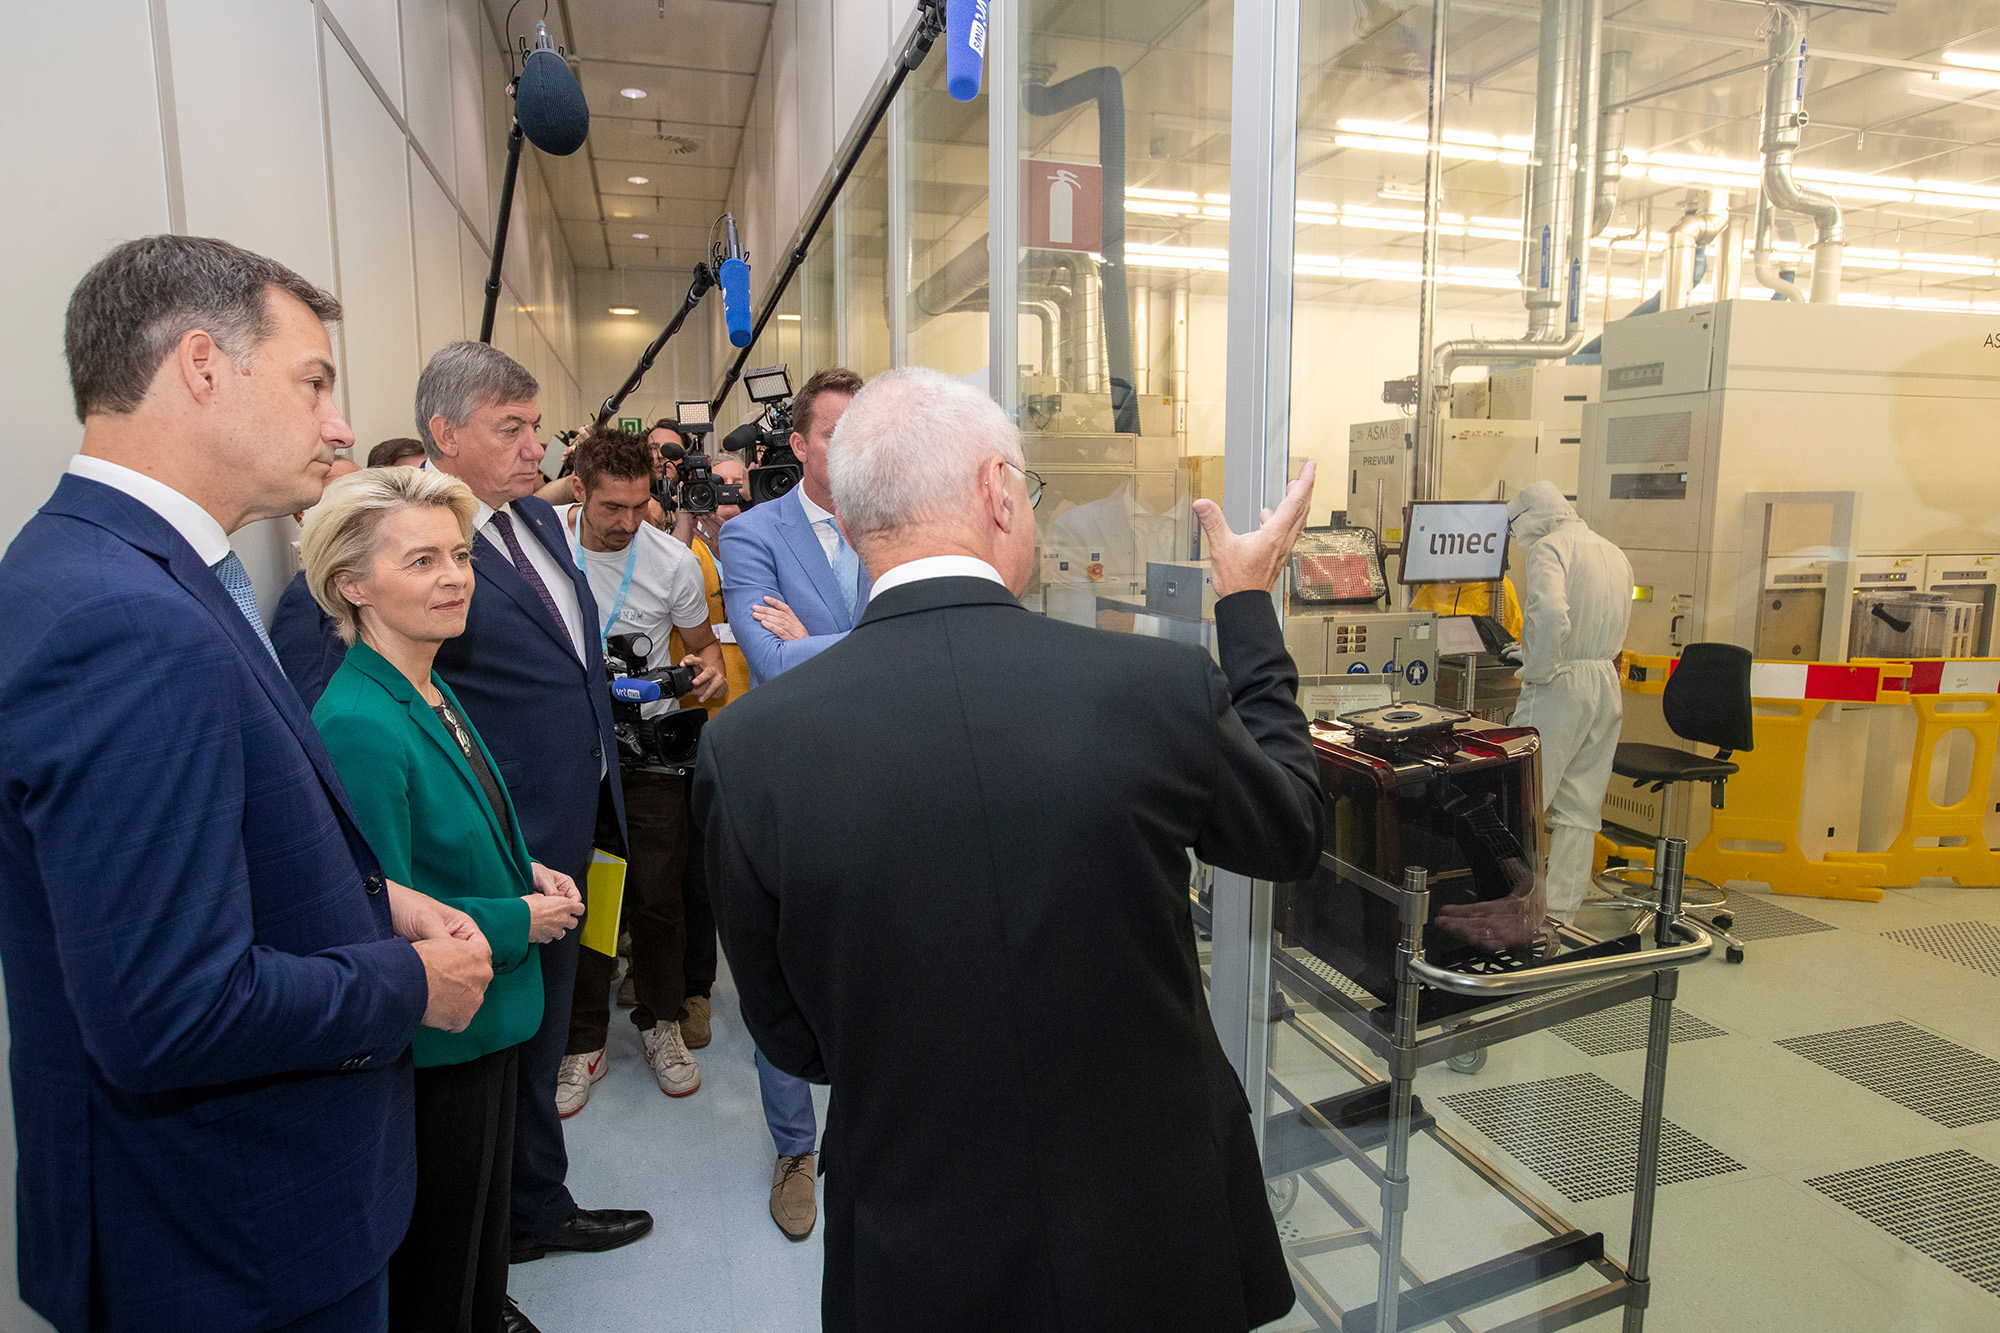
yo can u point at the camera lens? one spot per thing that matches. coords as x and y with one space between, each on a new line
698 497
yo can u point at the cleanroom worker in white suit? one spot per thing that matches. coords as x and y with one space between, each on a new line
1577 602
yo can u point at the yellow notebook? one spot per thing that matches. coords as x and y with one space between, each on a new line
603 895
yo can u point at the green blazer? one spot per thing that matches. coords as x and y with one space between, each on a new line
430 824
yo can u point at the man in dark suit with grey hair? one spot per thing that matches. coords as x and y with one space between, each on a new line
980 934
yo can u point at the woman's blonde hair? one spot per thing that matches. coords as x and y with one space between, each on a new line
340 532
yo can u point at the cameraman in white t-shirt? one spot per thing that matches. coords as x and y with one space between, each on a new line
645 582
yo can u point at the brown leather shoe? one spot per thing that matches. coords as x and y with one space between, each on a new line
793 1206
694 1028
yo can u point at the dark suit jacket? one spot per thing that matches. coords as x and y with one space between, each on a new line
949 862
771 550
308 643
545 716
425 814
211 1020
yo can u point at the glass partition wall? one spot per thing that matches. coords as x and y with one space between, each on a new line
1788 1194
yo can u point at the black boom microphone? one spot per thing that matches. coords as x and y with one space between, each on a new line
550 112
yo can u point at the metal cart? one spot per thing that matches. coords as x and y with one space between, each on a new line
1381 1112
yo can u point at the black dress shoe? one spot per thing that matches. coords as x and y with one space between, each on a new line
588 1230
513 1321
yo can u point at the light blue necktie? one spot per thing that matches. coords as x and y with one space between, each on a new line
846 565
236 582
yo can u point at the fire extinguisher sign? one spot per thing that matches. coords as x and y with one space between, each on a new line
1062 205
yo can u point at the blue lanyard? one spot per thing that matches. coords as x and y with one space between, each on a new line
624 586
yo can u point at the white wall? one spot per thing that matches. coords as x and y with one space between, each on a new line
358 141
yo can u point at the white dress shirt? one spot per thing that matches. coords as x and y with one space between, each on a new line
935 567
824 525
189 519
555 576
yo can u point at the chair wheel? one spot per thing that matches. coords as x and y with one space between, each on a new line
1469 1063
1733 954
1724 920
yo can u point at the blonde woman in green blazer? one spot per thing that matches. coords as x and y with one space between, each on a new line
388 553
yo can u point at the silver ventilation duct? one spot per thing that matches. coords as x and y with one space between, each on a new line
1784 120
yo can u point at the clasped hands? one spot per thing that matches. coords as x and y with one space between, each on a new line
457 960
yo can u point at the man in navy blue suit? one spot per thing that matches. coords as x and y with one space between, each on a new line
530 670
794 588
211 987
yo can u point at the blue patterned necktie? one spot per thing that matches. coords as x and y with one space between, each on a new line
846 565
236 582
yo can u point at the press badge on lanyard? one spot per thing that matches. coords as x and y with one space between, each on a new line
624 584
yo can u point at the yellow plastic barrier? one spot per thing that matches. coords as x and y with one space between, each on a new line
1955 833
1766 795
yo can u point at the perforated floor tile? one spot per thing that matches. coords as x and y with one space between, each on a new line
1582 1135
1623 1028
1758 918
1945 1205
1973 943
1918 1070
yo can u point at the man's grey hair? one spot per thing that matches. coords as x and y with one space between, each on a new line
136 304
462 378
907 454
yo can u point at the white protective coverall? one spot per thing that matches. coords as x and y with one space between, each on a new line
1577 602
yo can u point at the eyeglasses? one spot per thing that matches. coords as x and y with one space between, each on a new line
1034 480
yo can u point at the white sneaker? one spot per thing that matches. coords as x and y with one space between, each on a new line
667 1053
574 1079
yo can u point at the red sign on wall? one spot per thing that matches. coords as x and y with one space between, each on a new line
1062 206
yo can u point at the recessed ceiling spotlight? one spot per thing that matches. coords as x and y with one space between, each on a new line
789 319
621 215
624 310
641 236
639 180
634 93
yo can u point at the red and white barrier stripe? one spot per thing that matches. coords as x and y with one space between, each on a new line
1815 680
1952 677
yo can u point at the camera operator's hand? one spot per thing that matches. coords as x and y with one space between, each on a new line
554 883
550 916
778 618
457 972
709 677
1241 562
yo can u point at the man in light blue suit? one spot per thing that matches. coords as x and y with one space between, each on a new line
794 588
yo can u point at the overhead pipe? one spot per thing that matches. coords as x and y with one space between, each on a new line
1549 184
1556 239
1784 122
1763 264
1614 83
1587 41
1694 229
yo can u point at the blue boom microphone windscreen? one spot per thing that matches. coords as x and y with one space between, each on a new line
735 279
550 106
964 47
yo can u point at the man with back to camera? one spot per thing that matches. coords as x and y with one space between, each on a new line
1577 604
530 670
982 939
793 588
647 583
211 986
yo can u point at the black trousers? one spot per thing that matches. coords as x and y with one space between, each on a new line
699 957
656 834
450 1273
542 1200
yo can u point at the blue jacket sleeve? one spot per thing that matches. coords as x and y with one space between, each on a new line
749 575
128 749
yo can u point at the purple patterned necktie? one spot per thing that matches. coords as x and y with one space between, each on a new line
505 523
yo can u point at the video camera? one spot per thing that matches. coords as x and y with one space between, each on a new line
663 744
697 491
778 469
